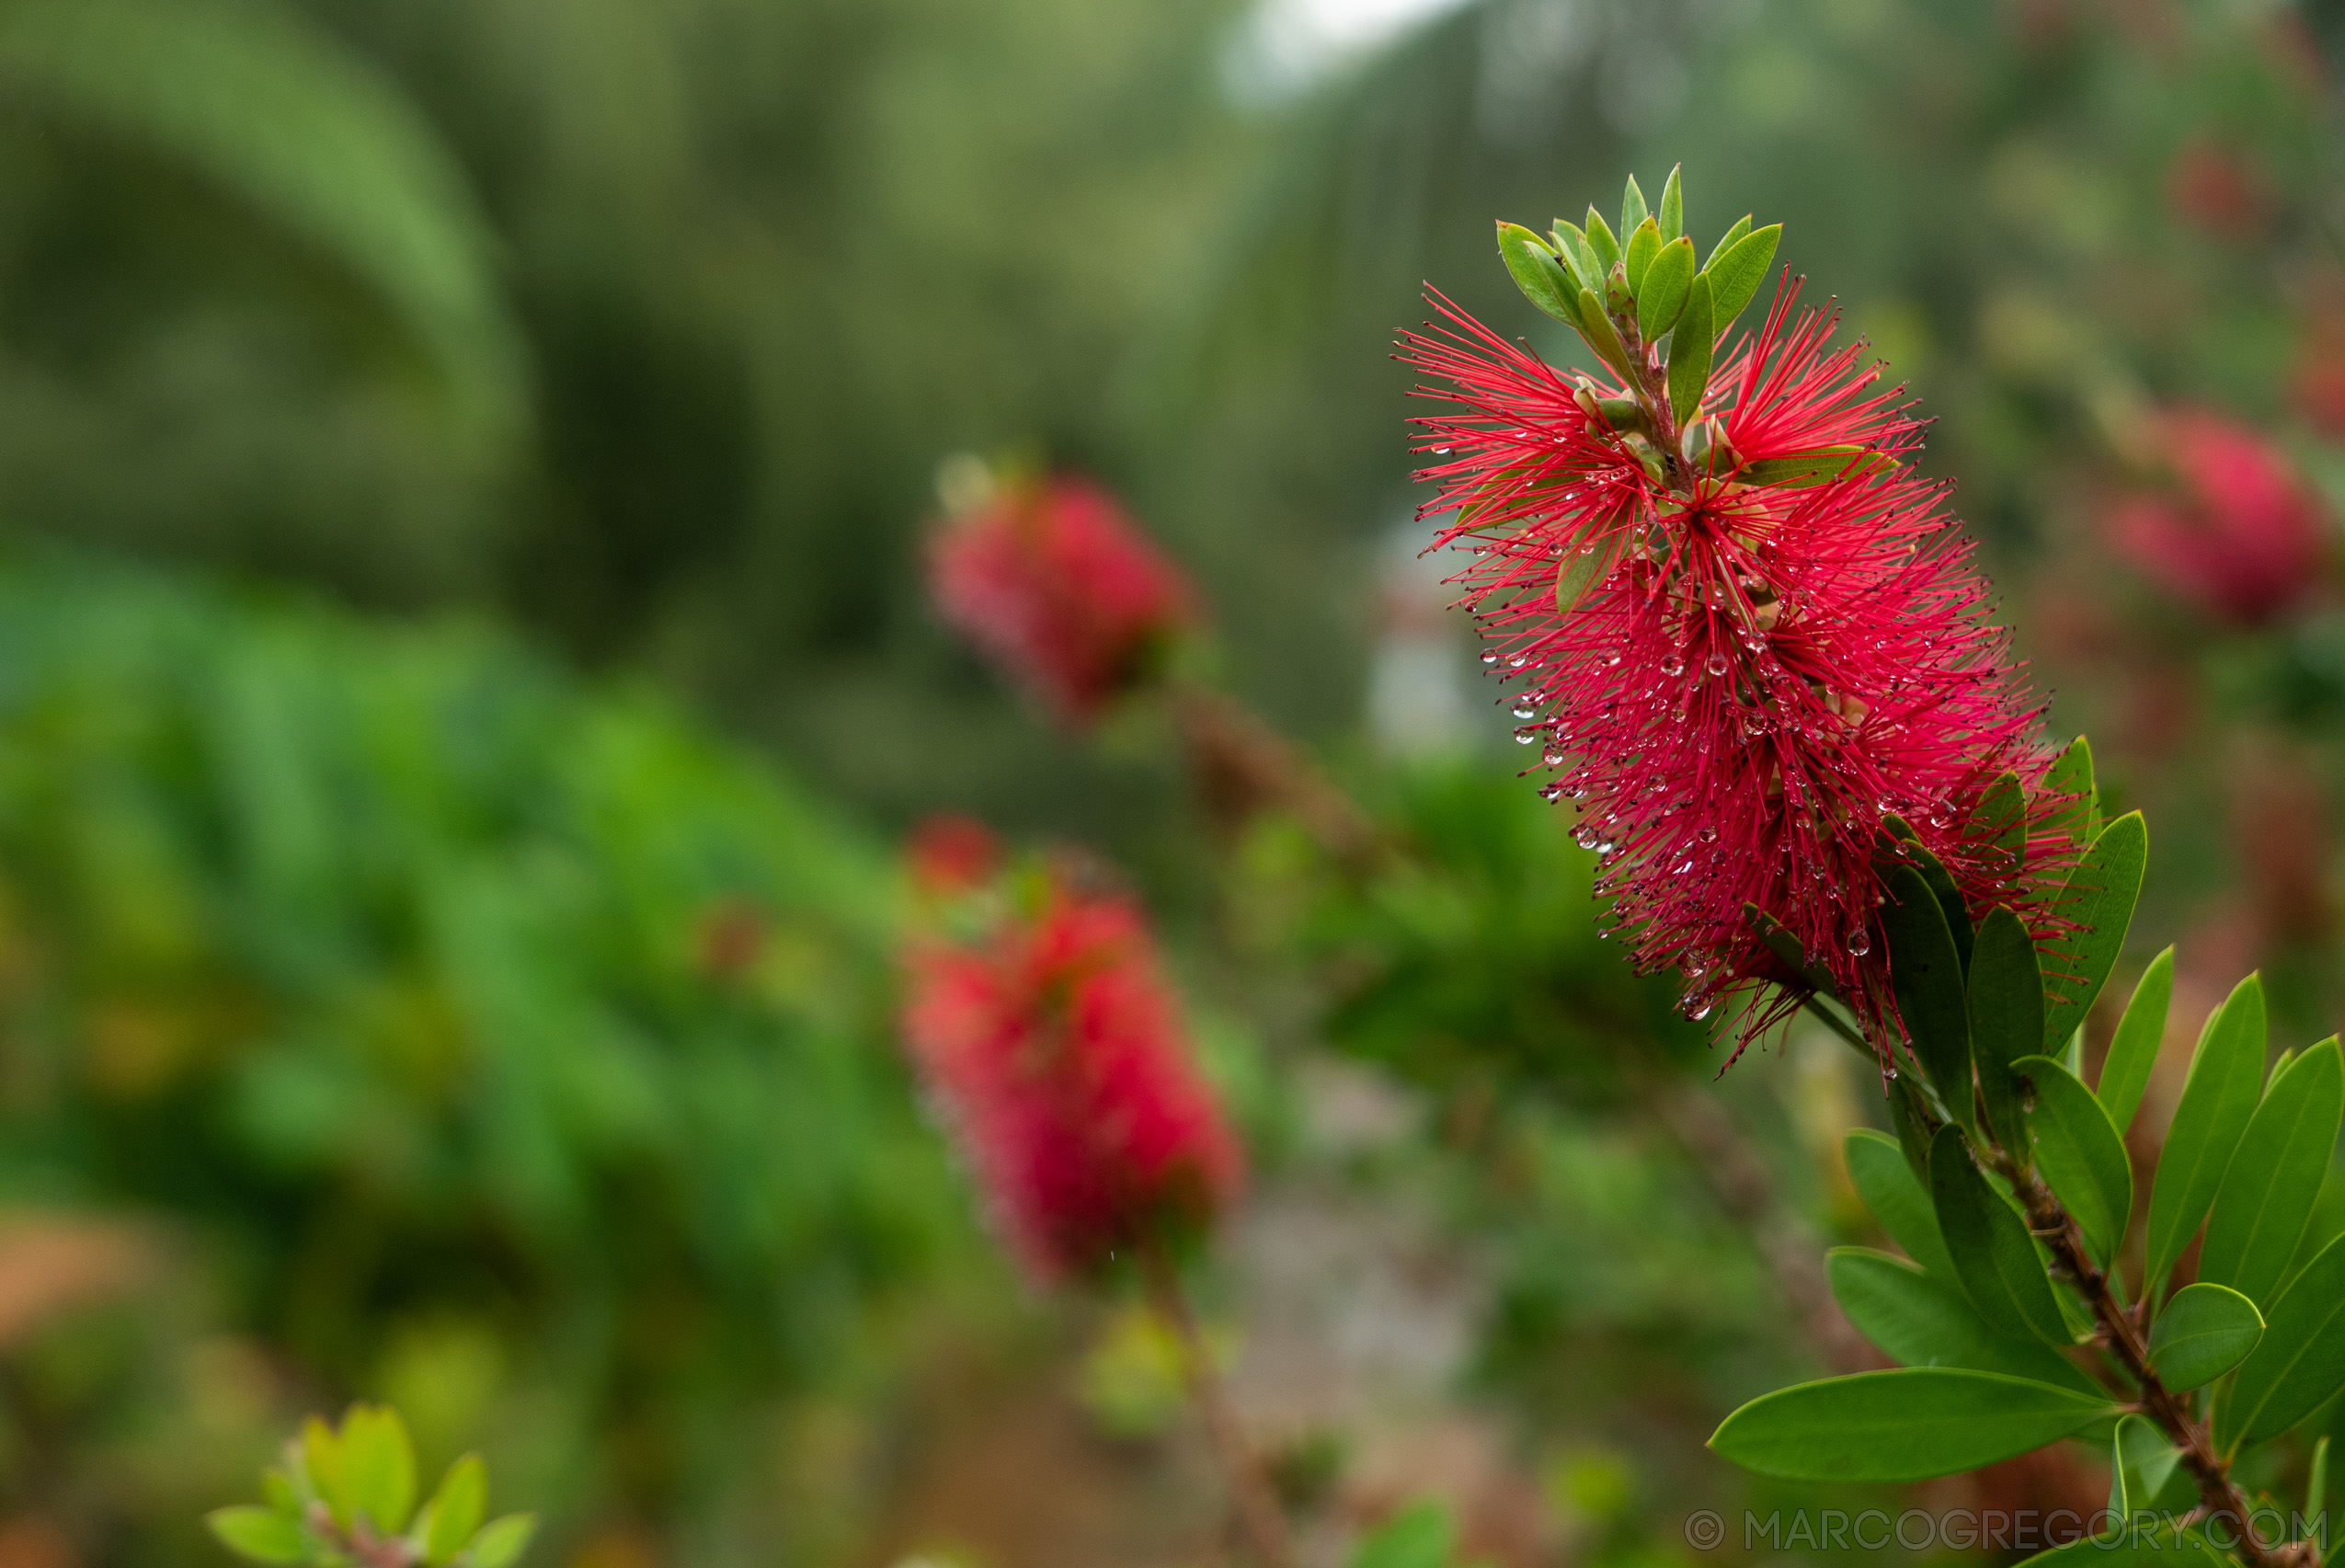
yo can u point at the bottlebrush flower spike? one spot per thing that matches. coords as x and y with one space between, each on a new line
1746 632
2241 538
1055 582
1055 1054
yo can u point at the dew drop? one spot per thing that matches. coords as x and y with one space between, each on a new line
1584 837
1526 708
1707 835
1552 756
1519 660
1490 659
1672 666
1526 735
1551 793
1715 664
1859 942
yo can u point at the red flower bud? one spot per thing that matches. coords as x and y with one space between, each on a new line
2238 536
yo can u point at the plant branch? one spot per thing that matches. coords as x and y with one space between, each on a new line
1242 765
2120 1332
1259 1515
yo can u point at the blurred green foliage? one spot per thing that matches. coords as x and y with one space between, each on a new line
438 996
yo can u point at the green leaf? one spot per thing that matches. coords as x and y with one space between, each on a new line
1673 205
2317 1488
2141 1462
2101 890
1801 469
1632 208
457 1509
1928 979
1600 240
2267 1194
381 1464
278 1488
1910 1424
1597 328
2070 776
1669 283
1538 273
2004 995
329 1475
2201 1334
1897 1199
2081 1156
1572 246
1582 569
2299 1364
1689 354
1994 1257
2218 1099
1726 241
1735 276
261 1534
2001 819
1420 1536
1917 1321
1902 843
1644 244
502 1541
2133 1052
2156 1546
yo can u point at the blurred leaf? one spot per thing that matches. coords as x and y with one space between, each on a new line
2201 1334
327 1466
1994 1257
501 1542
261 1534
2299 1364
2269 1190
2100 896
1420 1536
457 1509
2082 1156
1910 1424
2218 1099
2133 1051
380 1463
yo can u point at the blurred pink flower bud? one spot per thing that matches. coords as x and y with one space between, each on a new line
2238 534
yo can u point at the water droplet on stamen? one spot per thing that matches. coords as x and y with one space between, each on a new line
1859 942
1490 659
1526 735
1715 664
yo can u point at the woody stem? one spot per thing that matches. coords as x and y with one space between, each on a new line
2120 1334
1259 1515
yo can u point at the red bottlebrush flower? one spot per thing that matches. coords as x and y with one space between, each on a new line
952 853
1055 582
2239 537
1055 1052
1765 663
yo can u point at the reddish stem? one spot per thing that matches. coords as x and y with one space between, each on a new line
1259 1515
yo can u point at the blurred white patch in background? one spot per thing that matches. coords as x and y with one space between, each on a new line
1284 47
1418 675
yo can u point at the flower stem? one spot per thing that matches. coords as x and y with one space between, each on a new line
2120 1333
1260 1517
1242 765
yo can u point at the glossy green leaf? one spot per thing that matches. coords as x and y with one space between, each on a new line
1644 244
2134 1051
2299 1364
2150 1546
261 1534
2079 1153
1600 240
1918 1321
503 1540
1669 283
2005 992
2141 1463
1911 1116
1689 354
1927 977
2268 1194
2201 1334
457 1509
1602 335
2000 819
1901 843
1726 241
1572 246
1420 1536
1582 569
1913 1424
1994 1257
1821 466
2069 781
1672 212
2100 896
1538 273
2218 1100
1897 1199
381 1463
1735 276
1633 207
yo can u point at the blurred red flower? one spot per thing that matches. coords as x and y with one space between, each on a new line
2219 190
1056 1054
1755 672
950 853
2239 535
1058 584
